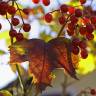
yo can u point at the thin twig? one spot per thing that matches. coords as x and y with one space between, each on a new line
20 78
19 11
61 30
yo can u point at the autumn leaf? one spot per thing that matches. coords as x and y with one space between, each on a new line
18 52
39 63
62 50
44 58
36 54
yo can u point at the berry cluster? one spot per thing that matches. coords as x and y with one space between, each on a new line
77 25
7 8
45 2
79 46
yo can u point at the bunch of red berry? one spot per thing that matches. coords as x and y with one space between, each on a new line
45 2
77 25
7 8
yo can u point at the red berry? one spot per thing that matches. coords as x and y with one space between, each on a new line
74 19
84 53
71 10
15 21
75 41
3 8
46 2
82 1
71 26
75 50
36 1
48 17
82 30
12 33
93 19
89 28
82 44
19 37
26 11
93 92
62 20
11 10
26 27
64 8
70 32
86 20
0 26
2 12
89 36
78 13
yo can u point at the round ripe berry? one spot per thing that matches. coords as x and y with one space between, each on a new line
36 1
64 8
12 33
82 1
75 41
0 26
2 12
15 21
93 92
89 36
71 10
82 30
85 20
19 37
82 44
11 10
89 28
62 20
3 8
84 53
93 19
75 50
26 11
48 17
78 13
26 27
74 19
46 2
3 5
71 26
70 32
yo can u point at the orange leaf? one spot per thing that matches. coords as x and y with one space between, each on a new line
62 50
44 57
39 63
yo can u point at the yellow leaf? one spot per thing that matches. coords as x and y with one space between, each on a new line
5 93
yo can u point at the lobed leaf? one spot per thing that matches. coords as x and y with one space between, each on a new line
44 58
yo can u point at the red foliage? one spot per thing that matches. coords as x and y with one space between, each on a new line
44 57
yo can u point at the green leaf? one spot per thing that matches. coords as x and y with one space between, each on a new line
2 52
5 93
